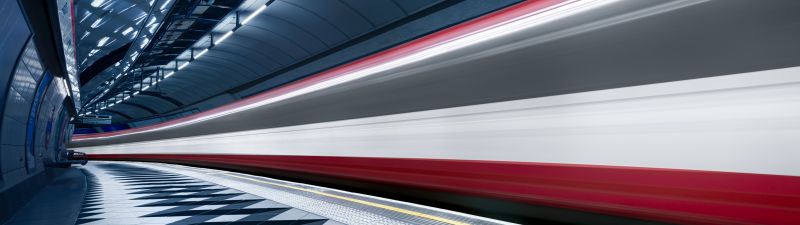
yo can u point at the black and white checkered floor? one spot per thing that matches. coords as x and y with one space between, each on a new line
123 193
130 194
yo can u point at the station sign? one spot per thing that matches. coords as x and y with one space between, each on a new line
95 119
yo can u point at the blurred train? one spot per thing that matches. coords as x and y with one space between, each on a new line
560 111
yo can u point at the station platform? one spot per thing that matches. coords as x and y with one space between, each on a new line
122 193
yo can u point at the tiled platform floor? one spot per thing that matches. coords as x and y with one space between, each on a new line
128 194
151 193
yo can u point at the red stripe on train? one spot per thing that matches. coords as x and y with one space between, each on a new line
669 195
505 15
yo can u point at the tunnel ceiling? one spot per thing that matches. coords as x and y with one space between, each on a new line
286 35
103 29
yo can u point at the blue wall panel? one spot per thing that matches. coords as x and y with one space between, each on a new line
17 111
32 129
31 111
48 124
12 42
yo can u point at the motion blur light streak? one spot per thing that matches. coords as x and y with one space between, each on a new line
716 200
567 111
527 21
600 119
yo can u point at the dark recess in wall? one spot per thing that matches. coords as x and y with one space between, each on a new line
103 63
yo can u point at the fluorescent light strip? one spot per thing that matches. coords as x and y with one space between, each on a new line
533 19
170 74
66 87
97 3
125 32
163 6
102 41
201 53
224 36
254 14
182 66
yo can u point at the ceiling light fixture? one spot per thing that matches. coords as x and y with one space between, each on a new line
224 36
127 31
66 87
102 41
97 3
201 53
254 14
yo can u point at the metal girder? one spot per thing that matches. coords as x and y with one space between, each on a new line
163 49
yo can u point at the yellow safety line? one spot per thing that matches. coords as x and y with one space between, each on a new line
377 205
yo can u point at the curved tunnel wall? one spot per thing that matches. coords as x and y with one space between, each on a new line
34 116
